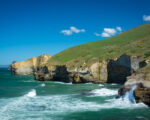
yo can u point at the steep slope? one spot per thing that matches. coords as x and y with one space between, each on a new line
135 42
111 60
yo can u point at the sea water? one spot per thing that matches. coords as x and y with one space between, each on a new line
23 98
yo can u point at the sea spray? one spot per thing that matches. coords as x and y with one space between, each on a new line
42 85
104 92
131 94
32 93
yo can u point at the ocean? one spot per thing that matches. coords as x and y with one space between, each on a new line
23 98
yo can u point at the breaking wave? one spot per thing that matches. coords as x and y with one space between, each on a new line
43 85
32 93
54 105
104 92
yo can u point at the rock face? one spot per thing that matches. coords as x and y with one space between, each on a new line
119 69
112 71
60 73
30 65
142 91
142 94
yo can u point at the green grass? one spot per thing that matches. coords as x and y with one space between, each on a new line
133 42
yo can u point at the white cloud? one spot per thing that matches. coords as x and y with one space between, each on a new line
146 17
119 29
109 32
104 34
66 32
72 30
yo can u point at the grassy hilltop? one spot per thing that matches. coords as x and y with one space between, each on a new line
132 42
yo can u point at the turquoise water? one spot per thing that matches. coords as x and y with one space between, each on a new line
23 98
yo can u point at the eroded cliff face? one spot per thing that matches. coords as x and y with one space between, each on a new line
30 65
121 68
111 71
140 79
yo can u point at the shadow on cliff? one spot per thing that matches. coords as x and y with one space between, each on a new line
120 69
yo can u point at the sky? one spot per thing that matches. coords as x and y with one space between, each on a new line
29 28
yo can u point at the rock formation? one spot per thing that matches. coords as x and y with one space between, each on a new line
141 79
30 65
125 70
112 71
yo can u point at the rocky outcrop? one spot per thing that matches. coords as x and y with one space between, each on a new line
142 94
30 65
61 73
140 79
111 71
142 90
119 69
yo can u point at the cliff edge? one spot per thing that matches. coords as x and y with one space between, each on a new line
30 65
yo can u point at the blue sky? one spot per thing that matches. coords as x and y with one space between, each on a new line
29 28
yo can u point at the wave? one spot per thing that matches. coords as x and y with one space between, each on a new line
114 84
104 92
32 93
64 83
27 106
43 85
100 85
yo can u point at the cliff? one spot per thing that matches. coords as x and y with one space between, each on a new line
111 60
120 59
30 65
111 71
140 79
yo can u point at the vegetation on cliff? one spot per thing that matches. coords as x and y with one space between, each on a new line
135 42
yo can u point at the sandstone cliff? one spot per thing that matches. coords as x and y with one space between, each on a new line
30 65
111 71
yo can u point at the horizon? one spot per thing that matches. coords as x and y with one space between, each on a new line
31 28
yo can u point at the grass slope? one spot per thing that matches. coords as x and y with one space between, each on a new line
133 42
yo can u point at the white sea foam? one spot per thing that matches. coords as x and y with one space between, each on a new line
25 107
64 83
100 85
104 92
32 93
122 104
43 85
113 84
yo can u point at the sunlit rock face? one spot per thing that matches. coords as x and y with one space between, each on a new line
30 65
